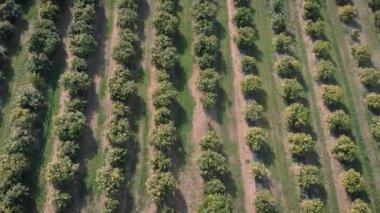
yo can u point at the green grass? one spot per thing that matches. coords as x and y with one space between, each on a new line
289 195
294 26
183 43
18 75
227 116
334 31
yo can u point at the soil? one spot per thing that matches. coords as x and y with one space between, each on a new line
337 169
245 154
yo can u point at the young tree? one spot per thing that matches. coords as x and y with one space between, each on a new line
163 136
373 101
162 115
212 165
352 181
165 23
110 179
216 203
61 200
359 206
248 64
119 132
312 206
82 45
297 116
375 128
258 170
203 45
164 55
214 186
316 30
160 185
332 94
339 121
308 176
251 84
70 126
61 172
282 42
345 149
321 48
253 111
325 70
361 54
164 95
244 17
211 141
121 85
245 38
369 76
161 162
311 10
264 202
347 13
291 89
279 23
255 138
301 143
287 66
208 81
76 83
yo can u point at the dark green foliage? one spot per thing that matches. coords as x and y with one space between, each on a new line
244 17
212 165
245 38
70 126
76 83
61 172
121 86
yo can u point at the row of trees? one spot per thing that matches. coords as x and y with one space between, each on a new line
213 166
206 49
164 135
69 127
339 122
28 106
368 74
10 12
111 175
297 114
251 87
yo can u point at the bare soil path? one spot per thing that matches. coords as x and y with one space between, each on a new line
337 169
245 154
367 147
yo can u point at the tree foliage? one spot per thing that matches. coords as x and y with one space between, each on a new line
339 122
352 181
301 143
297 116
345 149
264 202
255 138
